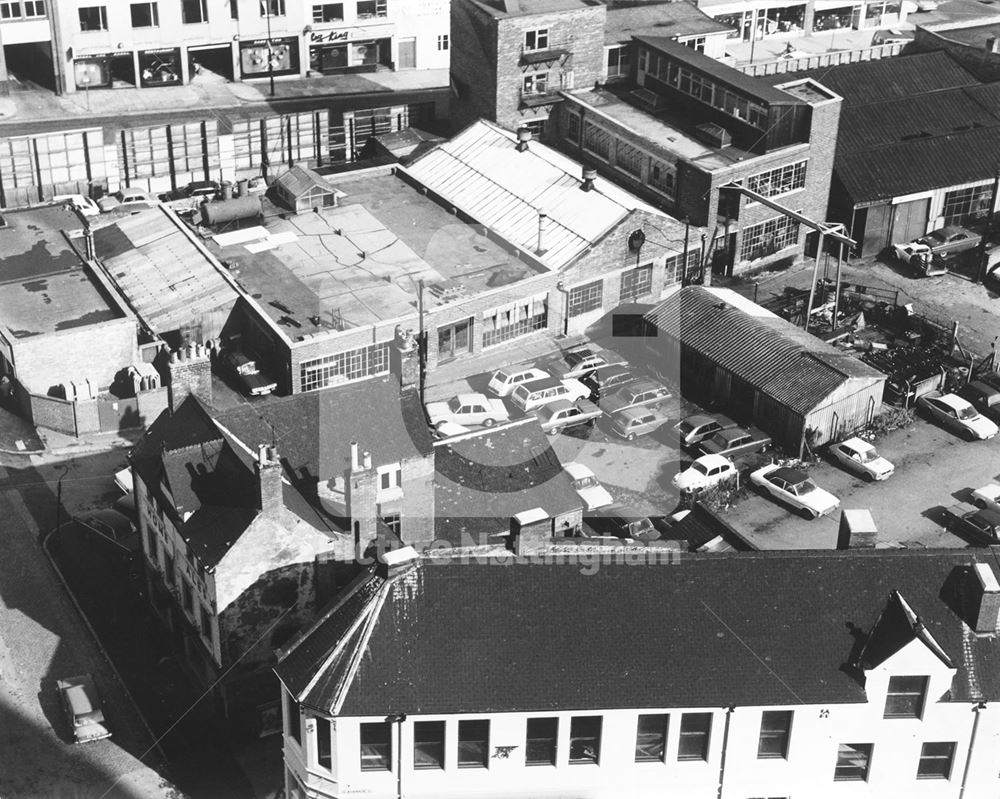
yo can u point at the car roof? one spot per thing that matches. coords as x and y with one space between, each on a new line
982 388
609 369
541 383
698 419
989 490
789 475
560 404
732 433
713 460
953 401
635 413
471 397
577 470
987 515
858 443
640 385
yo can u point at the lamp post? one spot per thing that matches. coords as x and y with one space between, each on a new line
85 80
270 52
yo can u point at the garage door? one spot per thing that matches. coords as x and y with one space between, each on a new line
909 220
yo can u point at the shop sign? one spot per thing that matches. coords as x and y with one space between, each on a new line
328 36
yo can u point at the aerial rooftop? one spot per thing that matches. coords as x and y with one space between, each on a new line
44 285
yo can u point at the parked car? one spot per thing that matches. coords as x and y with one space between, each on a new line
950 239
561 414
957 414
244 370
468 409
605 379
82 704
529 396
705 472
126 197
633 422
695 429
79 203
189 197
735 441
587 486
980 526
862 458
580 360
795 488
987 497
504 381
905 252
115 526
635 394
628 522
984 398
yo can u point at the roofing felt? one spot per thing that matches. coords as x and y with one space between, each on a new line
628 18
482 481
454 637
481 172
167 279
770 353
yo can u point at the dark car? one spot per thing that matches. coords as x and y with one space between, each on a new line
980 527
735 441
605 379
627 522
633 395
695 429
984 398
245 370
949 240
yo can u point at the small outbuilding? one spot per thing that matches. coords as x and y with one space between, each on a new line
301 189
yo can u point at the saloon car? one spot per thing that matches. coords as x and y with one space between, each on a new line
957 414
795 488
468 409
860 457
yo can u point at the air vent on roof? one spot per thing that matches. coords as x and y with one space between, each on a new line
648 100
714 135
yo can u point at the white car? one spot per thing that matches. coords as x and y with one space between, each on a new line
504 381
958 414
537 393
79 203
706 472
862 458
987 497
130 198
468 409
795 488
587 486
905 252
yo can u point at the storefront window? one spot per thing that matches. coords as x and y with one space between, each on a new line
833 19
258 59
783 20
92 73
160 67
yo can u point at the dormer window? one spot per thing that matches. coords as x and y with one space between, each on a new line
905 697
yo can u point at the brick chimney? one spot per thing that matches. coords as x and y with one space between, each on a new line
988 616
362 508
190 372
404 359
270 492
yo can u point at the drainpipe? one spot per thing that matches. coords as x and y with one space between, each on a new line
560 286
972 745
725 748
399 718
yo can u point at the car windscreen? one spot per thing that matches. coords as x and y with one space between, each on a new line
501 377
967 413
585 482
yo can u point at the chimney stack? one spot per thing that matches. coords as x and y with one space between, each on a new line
530 530
404 360
988 616
589 176
362 499
523 137
398 561
190 372
269 480
543 226
367 461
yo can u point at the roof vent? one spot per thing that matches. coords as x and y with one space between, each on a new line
714 135
523 137
589 176
648 100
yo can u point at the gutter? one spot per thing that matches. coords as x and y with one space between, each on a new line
725 748
981 706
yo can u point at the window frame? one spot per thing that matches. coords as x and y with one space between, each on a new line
482 760
444 42
376 762
152 7
702 733
267 8
772 732
845 768
906 703
102 13
636 282
550 739
294 715
779 181
319 11
539 38
584 731
429 741
202 12
661 722
585 298
933 759
324 742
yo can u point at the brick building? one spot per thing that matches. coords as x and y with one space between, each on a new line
688 126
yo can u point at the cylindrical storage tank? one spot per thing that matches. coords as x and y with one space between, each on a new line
227 189
231 210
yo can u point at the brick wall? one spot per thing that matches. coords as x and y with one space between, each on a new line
190 371
417 517
473 64
53 413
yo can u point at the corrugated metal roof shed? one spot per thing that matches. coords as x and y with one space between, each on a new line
769 353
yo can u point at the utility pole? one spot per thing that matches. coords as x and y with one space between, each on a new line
987 232
270 51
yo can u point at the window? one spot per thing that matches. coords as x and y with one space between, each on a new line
33 8
536 83
676 272
643 59
663 177
597 140
651 738
428 744
169 571
272 8
443 41
905 698
393 522
145 15
775 727
697 43
573 127
294 718
206 623
935 761
93 18
636 282
629 159
345 366
536 39
585 739
473 743
328 12
10 10
618 61
516 320
965 205
376 746
540 744
779 181
187 598
324 742
768 237
853 762
194 11
372 8
696 730
588 297
390 477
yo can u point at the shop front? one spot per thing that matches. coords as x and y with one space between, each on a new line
764 21
160 67
332 52
104 70
262 58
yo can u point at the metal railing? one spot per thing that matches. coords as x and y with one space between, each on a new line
818 60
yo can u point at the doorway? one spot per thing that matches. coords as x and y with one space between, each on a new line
407 54
909 220
210 63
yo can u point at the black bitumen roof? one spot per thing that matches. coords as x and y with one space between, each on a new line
763 628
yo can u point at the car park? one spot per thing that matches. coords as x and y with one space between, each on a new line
988 496
695 429
735 441
126 198
705 472
984 398
605 379
587 486
529 396
244 370
794 487
957 414
504 381
580 360
980 526
635 394
562 414
82 705
468 409
639 421
861 457
79 203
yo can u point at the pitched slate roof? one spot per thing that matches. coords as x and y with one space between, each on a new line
770 353
456 637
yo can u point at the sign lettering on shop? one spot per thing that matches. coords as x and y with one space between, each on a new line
328 36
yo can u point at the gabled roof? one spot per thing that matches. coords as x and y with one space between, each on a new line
301 180
770 353
460 637
896 627
481 172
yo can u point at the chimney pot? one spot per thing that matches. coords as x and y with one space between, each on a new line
543 226
368 460
988 617
355 463
523 137
589 176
